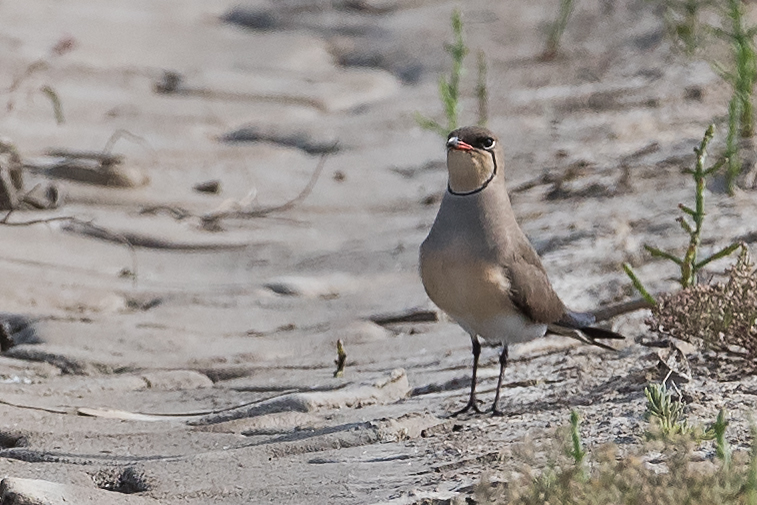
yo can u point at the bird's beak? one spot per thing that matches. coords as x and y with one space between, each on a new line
456 143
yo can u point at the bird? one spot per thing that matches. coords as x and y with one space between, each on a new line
478 266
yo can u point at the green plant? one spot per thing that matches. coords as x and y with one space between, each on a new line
52 95
682 18
665 411
690 263
576 451
687 22
63 46
688 25
638 285
556 29
624 477
750 486
742 79
449 88
722 449
732 144
482 93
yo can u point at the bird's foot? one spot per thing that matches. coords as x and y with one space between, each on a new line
496 412
471 405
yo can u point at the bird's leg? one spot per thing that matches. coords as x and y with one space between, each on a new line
476 348
502 365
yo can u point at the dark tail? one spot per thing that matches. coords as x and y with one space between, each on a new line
594 333
583 321
586 334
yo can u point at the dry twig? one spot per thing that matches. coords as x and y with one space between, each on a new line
103 232
210 220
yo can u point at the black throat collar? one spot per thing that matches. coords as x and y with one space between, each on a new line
483 186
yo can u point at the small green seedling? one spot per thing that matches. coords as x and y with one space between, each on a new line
666 411
691 222
556 30
449 88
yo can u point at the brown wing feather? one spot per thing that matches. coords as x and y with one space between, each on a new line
532 292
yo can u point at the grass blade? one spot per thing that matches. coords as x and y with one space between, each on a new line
720 254
659 253
638 285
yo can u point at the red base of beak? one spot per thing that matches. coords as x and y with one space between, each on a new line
455 143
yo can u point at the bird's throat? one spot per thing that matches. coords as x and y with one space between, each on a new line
468 174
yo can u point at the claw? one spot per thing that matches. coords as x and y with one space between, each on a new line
471 405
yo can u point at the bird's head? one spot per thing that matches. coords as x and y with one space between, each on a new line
473 158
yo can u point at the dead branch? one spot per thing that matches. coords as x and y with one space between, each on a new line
610 311
125 134
30 70
102 157
100 231
262 212
172 83
211 219
147 241
341 359
6 338
34 407
42 197
11 175
414 315
177 213
545 178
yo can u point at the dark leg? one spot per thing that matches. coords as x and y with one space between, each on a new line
502 365
476 347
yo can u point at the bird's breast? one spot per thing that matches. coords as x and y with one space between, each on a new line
462 285
476 294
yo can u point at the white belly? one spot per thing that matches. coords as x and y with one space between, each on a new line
506 328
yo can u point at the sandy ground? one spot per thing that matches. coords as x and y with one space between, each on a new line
207 376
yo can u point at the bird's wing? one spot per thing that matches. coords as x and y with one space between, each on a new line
531 290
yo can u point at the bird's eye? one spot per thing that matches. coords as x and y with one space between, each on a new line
488 143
